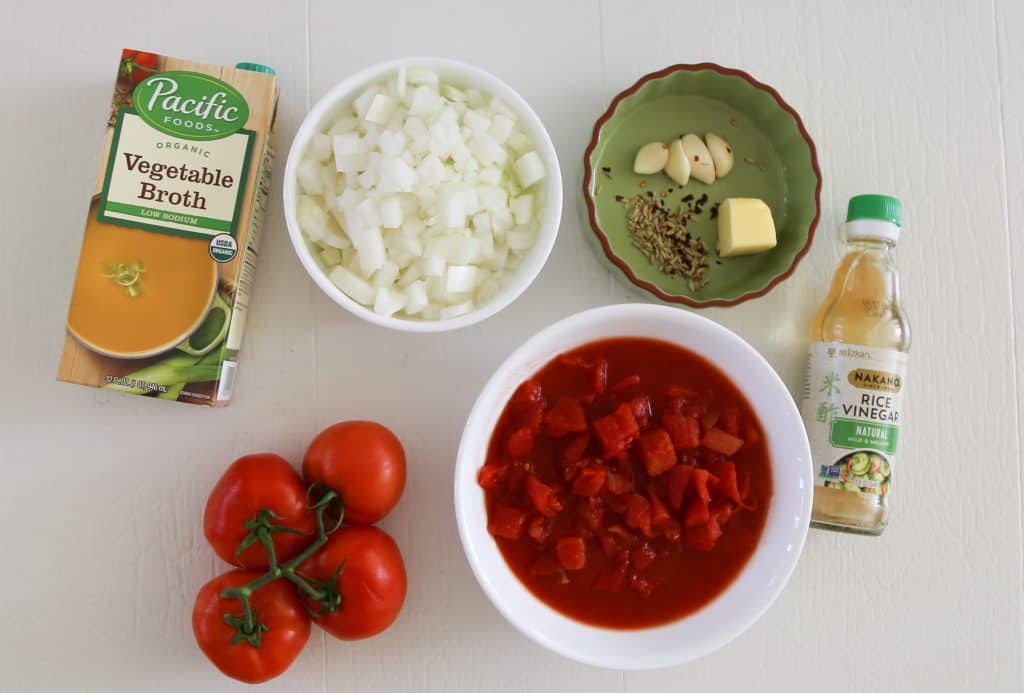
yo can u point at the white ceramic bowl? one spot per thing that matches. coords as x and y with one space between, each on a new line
761 580
462 75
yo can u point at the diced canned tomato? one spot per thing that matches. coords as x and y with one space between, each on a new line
618 483
572 552
638 513
624 384
656 451
542 496
520 443
613 470
721 511
589 481
539 529
660 517
642 410
728 485
719 441
697 513
489 476
591 512
683 430
702 538
700 480
507 521
618 430
576 446
676 481
565 417
730 421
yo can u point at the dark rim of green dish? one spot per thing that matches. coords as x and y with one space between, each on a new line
588 175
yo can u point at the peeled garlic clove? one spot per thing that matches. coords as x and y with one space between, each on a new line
702 167
651 158
721 154
678 166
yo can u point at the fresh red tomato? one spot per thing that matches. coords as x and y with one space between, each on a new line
137 65
372 582
364 463
277 608
253 483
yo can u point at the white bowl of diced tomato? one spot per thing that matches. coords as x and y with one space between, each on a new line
633 487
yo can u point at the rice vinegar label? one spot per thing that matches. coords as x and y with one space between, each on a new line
852 407
179 159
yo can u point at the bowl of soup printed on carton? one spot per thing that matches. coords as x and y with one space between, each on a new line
162 286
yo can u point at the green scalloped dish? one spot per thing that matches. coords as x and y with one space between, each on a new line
758 125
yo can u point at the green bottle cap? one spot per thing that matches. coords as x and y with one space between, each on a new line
255 67
881 207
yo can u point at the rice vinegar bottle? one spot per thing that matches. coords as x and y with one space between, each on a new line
852 403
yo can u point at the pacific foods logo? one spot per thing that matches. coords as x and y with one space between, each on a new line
190 105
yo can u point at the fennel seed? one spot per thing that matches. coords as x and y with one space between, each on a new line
661 235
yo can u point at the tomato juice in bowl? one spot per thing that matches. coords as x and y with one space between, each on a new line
706 582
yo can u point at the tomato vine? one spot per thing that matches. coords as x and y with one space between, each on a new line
330 512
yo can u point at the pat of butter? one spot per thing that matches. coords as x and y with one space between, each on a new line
745 227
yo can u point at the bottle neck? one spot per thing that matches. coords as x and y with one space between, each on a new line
871 231
876 246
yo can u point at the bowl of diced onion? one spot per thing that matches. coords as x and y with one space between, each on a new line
422 194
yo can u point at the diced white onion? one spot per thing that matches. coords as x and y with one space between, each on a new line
461 279
308 173
385 276
418 199
353 285
389 209
476 120
388 302
518 142
363 101
425 101
519 238
456 310
416 297
422 76
522 209
369 245
491 175
330 256
530 169
346 123
501 127
320 147
381 109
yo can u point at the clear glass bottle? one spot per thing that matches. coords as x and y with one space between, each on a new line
852 403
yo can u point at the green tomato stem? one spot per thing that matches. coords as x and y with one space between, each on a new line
247 628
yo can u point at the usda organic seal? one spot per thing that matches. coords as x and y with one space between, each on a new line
223 247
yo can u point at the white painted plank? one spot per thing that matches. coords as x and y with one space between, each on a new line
895 105
449 637
106 491
1009 21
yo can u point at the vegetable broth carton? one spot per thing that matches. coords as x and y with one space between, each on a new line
171 236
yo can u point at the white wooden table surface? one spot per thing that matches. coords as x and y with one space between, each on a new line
101 494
